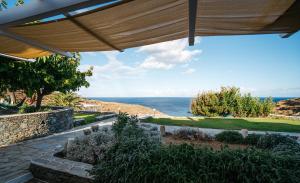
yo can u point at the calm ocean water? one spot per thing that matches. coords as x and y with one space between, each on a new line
175 106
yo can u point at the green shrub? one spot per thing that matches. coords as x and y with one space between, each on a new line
232 137
123 119
270 141
30 109
229 101
291 149
91 148
139 161
252 139
191 134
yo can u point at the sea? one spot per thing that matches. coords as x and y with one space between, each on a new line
174 106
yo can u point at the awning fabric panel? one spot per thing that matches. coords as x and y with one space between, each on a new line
144 22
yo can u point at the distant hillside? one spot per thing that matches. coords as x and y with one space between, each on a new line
290 107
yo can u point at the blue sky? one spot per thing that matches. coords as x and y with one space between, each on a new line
265 65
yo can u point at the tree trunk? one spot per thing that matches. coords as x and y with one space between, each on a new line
39 98
12 97
22 102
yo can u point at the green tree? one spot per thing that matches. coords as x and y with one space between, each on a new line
69 99
44 76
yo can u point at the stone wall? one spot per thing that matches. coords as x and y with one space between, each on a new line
19 127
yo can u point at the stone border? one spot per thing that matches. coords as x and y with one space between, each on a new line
106 116
55 169
213 132
19 127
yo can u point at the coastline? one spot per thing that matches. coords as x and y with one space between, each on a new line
131 109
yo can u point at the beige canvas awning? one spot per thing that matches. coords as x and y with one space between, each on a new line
142 22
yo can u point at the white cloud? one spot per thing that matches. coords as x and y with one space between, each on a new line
168 54
114 69
189 71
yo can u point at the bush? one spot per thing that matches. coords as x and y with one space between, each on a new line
191 134
91 148
229 101
252 139
270 141
290 149
123 120
30 109
141 161
231 137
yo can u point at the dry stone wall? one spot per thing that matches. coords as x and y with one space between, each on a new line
19 127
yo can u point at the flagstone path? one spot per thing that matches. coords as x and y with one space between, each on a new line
15 159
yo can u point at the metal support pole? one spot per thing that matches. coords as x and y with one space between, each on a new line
192 20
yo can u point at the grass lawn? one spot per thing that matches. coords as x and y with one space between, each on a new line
89 118
259 124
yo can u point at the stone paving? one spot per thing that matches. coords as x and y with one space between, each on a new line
15 159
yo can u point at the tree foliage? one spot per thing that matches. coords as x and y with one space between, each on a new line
68 99
44 76
229 101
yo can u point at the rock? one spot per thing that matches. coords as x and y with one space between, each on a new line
70 143
95 128
162 130
87 132
244 133
78 122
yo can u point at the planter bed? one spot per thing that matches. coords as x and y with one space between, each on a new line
55 169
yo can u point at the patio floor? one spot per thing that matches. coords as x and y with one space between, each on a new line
15 159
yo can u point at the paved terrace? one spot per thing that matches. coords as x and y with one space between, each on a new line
15 159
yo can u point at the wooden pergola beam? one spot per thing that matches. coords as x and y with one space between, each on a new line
287 35
290 18
17 58
90 32
40 9
37 10
192 20
33 43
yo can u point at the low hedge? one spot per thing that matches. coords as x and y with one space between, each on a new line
252 139
232 137
137 157
133 163
270 141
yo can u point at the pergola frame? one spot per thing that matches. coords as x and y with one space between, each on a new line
40 9
87 30
17 58
34 43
